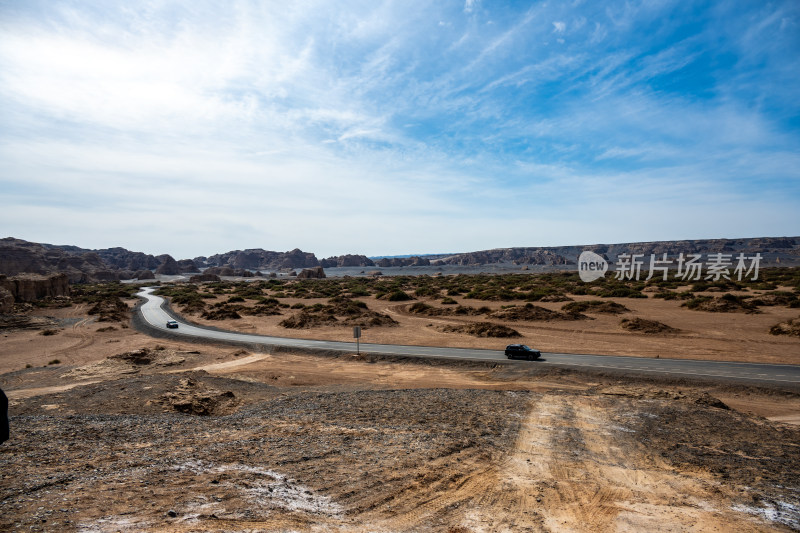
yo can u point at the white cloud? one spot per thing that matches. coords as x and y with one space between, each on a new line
304 125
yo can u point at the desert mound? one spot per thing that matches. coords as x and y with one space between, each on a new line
791 327
642 325
481 329
595 306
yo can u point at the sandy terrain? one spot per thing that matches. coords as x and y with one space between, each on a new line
130 433
303 443
702 335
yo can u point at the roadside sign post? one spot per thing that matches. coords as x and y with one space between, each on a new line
357 336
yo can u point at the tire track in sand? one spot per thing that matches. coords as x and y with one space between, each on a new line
574 469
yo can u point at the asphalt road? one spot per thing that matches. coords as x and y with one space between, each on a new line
156 316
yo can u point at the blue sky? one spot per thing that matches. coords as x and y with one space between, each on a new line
381 128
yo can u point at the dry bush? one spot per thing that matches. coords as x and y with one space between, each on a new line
481 329
595 306
641 325
224 312
110 309
727 303
791 327
338 311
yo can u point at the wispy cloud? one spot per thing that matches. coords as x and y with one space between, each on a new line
353 127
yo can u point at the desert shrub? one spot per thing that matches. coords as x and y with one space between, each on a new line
110 310
595 306
775 298
544 293
420 308
620 292
223 312
426 291
58 302
54 362
260 310
449 301
494 294
763 286
235 299
351 312
727 303
482 329
790 327
719 285
697 301
107 328
96 292
641 325
398 296
666 295
298 305
358 291
49 332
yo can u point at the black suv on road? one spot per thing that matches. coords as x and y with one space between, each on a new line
520 351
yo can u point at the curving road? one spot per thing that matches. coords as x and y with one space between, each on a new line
153 312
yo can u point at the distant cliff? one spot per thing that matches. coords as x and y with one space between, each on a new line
79 264
112 264
32 287
260 259
784 250
347 261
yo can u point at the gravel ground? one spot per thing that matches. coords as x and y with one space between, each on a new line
168 449
307 455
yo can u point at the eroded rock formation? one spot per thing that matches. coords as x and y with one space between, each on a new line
32 287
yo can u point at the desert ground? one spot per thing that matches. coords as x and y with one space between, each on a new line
113 430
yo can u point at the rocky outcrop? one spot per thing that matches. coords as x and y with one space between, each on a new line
23 257
80 265
127 260
6 301
187 266
108 275
168 266
205 277
144 274
402 261
517 256
32 287
228 271
347 261
312 273
259 259
219 271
